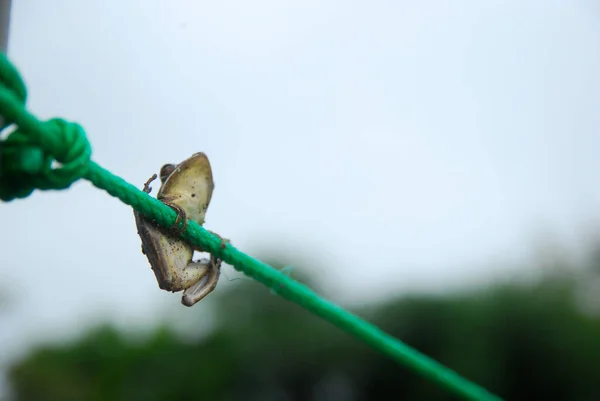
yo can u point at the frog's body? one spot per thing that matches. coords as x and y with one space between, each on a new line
188 189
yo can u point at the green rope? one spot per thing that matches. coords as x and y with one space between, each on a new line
27 158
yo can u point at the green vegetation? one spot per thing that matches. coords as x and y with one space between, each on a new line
522 342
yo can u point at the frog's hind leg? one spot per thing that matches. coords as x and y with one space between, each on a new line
209 273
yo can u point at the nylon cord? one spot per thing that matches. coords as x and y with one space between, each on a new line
26 157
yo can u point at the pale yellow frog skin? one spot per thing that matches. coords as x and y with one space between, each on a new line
187 188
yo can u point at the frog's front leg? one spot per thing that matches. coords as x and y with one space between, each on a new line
181 215
202 280
147 189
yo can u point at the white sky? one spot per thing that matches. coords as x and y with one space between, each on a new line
399 146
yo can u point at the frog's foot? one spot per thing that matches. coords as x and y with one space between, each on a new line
181 217
203 278
147 188
224 241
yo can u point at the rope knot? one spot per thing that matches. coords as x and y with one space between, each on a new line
25 165
43 155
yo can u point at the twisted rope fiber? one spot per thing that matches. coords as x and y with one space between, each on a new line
26 164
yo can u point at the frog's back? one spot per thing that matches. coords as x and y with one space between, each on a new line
167 254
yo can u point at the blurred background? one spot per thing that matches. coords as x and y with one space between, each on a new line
432 166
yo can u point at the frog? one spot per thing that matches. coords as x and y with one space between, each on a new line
187 188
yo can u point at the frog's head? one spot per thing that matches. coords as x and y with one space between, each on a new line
190 185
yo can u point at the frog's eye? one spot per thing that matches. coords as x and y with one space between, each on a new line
166 171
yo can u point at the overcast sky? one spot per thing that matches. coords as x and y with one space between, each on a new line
398 146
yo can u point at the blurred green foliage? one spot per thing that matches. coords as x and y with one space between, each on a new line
522 342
